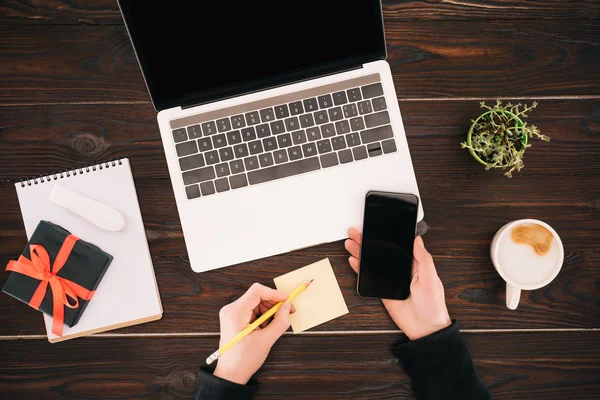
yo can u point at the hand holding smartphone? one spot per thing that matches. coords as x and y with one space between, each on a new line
386 257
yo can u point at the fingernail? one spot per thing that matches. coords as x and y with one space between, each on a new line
420 242
287 306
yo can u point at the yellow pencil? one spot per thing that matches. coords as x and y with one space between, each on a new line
255 324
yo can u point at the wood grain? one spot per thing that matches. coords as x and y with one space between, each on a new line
428 59
107 12
514 366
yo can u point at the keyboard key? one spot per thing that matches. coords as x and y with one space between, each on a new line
364 107
357 124
313 133
379 104
338 143
324 146
219 141
389 146
240 150
187 148
309 149
299 137
354 94
255 147
342 127
251 163
194 131
252 118
306 120
207 188
284 170
265 159
192 192
179 135
226 154
238 122
236 167
270 144
374 149
267 115
360 153
325 101
282 111
263 131
191 162
377 134
353 139
222 170
329 160
284 140
339 98
223 124
373 90
280 156
345 156
295 153
335 114
222 185
211 157
248 134
292 124
198 175
328 130
209 128
296 108
321 117
311 105
380 118
234 137
277 127
350 111
238 181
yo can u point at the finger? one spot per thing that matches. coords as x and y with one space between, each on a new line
353 263
258 293
280 324
425 267
353 248
355 234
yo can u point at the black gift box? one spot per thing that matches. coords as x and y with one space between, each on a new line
85 266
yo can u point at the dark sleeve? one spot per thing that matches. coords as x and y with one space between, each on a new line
211 387
440 366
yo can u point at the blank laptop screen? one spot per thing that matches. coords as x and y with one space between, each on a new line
197 51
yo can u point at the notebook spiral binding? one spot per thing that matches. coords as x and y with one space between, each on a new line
72 172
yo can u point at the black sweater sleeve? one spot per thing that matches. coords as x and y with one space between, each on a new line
440 366
211 387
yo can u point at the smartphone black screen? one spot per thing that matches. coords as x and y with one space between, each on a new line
387 245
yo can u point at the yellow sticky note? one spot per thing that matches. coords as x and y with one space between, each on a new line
322 301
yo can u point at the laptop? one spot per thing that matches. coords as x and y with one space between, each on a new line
276 119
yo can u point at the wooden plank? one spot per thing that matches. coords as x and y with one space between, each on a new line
107 12
428 59
514 366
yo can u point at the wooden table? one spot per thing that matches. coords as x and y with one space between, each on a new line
71 94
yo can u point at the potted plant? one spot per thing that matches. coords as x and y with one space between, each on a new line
498 137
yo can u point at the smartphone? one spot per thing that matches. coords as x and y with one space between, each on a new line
386 254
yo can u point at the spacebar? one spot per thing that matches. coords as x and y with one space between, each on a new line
283 171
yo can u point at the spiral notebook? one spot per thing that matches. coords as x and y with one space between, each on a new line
128 293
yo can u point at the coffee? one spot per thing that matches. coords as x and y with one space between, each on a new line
529 254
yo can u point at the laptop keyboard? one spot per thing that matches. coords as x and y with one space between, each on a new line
287 139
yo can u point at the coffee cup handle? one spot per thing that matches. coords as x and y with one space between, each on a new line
513 295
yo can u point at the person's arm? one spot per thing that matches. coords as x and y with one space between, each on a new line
231 379
435 356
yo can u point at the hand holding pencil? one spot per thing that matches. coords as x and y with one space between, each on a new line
242 359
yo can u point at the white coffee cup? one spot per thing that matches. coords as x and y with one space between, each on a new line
520 266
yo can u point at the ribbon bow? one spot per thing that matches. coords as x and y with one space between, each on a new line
62 289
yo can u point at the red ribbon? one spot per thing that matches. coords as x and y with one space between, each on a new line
62 289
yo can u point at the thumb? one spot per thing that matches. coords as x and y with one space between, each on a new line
426 267
280 324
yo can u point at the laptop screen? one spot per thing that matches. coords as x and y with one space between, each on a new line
193 52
